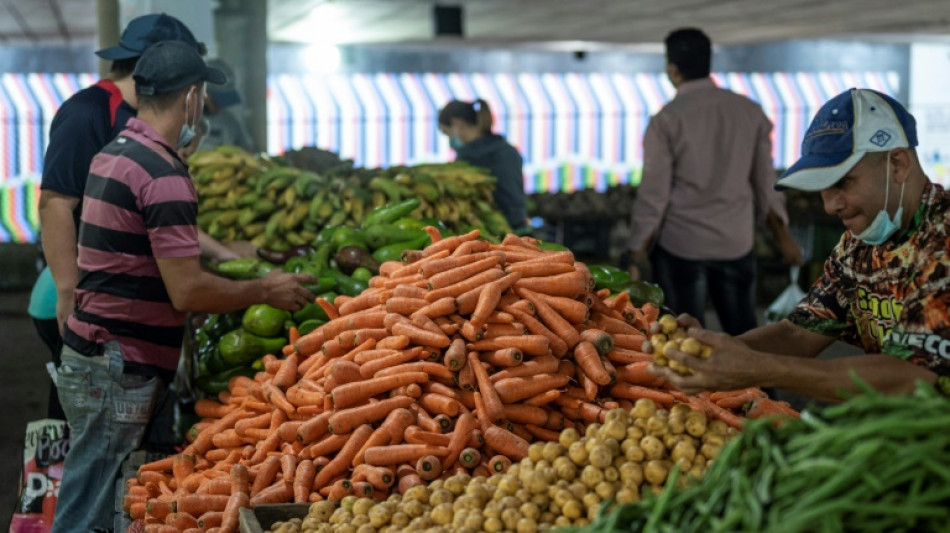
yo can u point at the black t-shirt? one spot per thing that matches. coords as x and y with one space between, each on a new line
83 125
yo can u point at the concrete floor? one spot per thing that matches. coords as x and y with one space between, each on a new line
24 389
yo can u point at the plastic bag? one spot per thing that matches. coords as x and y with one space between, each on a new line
786 302
44 451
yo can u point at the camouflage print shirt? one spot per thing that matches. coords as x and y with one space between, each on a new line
893 298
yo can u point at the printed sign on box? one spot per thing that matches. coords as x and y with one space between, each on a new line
44 451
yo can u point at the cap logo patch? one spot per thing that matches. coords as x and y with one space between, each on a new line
880 138
827 127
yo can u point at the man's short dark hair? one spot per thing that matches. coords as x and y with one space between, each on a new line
691 51
163 101
122 68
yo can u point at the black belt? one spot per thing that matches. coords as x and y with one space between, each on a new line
94 349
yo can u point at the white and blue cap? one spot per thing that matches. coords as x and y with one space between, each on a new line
850 125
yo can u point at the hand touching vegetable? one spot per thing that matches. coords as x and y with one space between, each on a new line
732 366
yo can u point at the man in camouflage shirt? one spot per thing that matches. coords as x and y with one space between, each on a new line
886 285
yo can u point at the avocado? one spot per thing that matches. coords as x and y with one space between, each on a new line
264 320
240 347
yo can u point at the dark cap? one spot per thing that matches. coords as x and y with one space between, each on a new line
227 94
172 65
147 30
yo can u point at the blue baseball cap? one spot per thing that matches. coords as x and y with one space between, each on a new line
147 30
850 125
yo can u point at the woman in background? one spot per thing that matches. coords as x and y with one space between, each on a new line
469 128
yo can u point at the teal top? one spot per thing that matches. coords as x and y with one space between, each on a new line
43 298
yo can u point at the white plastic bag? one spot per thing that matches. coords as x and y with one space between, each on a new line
786 302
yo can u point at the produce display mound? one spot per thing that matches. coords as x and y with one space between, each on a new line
263 200
451 363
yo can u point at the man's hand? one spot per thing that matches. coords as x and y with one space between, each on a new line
284 290
65 302
241 249
733 365
789 250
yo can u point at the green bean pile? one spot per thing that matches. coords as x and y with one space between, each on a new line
873 463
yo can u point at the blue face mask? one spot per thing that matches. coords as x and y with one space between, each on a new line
883 225
455 143
188 131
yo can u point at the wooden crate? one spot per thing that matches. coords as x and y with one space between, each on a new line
262 517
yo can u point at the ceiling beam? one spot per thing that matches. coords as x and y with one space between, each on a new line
60 22
21 22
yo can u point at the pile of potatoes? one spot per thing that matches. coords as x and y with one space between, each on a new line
671 335
559 484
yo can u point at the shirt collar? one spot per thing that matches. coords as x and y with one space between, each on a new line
139 126
695 85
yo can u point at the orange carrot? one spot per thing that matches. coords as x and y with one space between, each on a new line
599 338
551 318
409 291
472 247
327 445
434 234
277 398
543 398
514 390
589 388
198 504
204 408
202 442
346 420
539 269
623 356
421 336
328 308
470 457
635 392
506 443
541 433
489 297
764 406
303 481
426 323
544 364
408 481
586 356
344 458
572 310
379 477
314 428
638 374
342 372
505 357
441 307
435 370
429 467
525 414
279 492
499 464
493 331
401 453
466 376
354 393
437 266
369 298
455 355
440 404
405 306
569 285
714 411
466 285
631 342
389 432
395 342
460 273
557 345
287 374
528 344
613 325
493 406
450 243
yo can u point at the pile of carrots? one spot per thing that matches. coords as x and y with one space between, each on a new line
452 361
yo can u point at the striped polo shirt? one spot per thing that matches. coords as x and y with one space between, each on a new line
139 204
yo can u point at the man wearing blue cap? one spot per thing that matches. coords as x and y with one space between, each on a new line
85 123
138 254
886 285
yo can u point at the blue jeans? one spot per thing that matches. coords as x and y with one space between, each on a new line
108 413
730 285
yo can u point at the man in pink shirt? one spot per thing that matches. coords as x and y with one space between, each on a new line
707 181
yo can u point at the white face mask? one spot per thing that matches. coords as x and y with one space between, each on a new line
883 226
188 131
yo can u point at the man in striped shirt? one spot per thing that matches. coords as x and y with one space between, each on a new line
139 274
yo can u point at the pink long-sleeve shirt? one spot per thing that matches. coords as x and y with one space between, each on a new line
707 175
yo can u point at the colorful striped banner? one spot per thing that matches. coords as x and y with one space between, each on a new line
575 131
